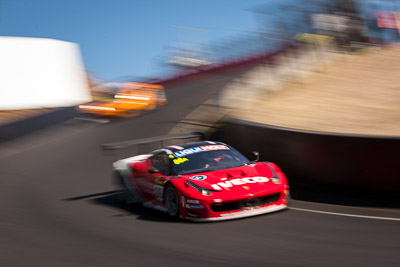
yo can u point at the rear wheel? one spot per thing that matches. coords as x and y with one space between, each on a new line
119 181
124 196
171 201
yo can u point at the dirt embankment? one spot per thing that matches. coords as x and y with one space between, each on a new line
357 93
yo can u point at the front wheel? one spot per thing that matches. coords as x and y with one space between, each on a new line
171 201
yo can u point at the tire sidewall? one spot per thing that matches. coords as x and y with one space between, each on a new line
171 190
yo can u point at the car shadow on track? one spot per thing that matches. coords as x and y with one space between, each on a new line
113 199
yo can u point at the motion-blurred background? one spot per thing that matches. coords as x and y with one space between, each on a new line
59 54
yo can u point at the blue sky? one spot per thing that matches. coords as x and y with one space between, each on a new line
128 39
122 38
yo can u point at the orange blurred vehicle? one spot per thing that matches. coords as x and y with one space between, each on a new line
127 99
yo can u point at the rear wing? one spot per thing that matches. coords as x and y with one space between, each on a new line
151 140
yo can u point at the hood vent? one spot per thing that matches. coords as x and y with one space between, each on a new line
241 173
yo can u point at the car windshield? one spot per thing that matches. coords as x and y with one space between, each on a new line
195 160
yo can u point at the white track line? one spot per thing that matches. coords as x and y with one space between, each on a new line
348 215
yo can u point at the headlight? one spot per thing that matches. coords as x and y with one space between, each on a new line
202 190
206 192
274 178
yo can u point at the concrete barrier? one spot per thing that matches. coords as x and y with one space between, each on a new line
41 73
343 162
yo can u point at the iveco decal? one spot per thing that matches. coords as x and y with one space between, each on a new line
239 181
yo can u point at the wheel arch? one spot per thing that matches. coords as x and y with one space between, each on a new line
178 184
174 184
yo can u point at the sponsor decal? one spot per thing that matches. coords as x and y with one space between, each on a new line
198 177
198 149
176 147
193 201
159 181
188 151
214 147
188 206
180 160
183 201
239 181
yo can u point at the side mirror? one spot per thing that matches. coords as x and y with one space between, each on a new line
154 171
256 156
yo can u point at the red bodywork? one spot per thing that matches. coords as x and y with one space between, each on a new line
237 192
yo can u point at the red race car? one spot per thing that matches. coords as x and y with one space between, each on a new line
200 181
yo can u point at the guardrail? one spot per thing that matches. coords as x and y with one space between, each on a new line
251 60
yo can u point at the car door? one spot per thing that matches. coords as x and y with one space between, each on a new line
160 162
151 182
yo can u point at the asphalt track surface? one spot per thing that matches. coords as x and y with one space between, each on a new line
59 208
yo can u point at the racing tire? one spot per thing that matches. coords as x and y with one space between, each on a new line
172 201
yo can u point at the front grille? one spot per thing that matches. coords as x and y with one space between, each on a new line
244 204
